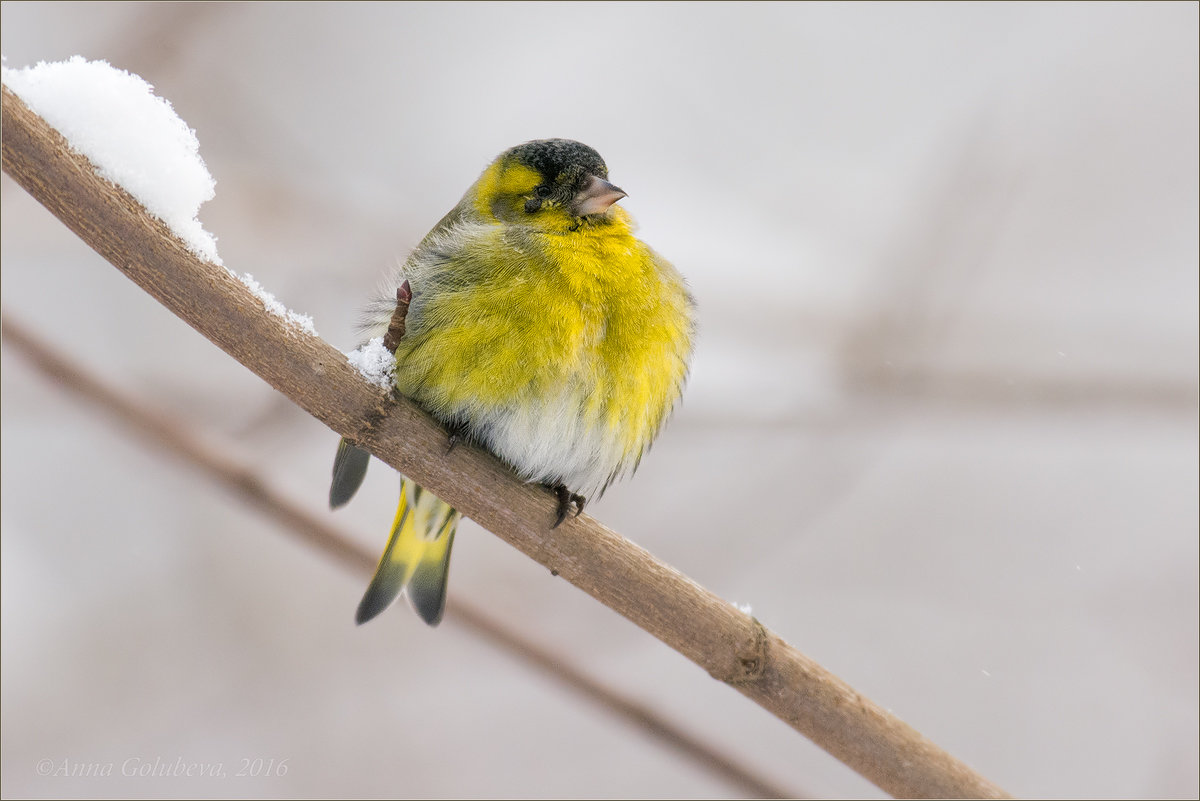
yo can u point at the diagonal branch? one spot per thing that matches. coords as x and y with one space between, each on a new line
730 645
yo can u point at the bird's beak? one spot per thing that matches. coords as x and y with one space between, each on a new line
595 197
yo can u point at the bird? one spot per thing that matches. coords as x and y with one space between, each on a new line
538 327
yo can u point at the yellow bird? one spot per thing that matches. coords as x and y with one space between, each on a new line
540 328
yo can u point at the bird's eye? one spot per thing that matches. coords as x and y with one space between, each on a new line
540 193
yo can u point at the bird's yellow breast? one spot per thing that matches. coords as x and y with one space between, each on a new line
528 318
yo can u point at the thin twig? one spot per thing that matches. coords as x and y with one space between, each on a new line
730 645
395 332
248 486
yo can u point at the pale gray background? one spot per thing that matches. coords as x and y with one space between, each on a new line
941 432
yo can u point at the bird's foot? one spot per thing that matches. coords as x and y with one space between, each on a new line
567 499
458 433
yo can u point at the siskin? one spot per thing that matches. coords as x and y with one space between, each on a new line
539 327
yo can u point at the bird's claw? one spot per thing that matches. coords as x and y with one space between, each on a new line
458 433
567 499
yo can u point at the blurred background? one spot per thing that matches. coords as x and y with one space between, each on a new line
941 431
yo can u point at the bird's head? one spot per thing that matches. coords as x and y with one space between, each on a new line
551 184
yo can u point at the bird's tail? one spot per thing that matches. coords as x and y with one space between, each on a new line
416 560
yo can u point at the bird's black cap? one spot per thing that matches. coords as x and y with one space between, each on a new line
557 159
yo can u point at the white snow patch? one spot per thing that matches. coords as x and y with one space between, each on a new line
136 140
745 609
133 137
301 321
375 362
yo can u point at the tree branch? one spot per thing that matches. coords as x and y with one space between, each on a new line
730 645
